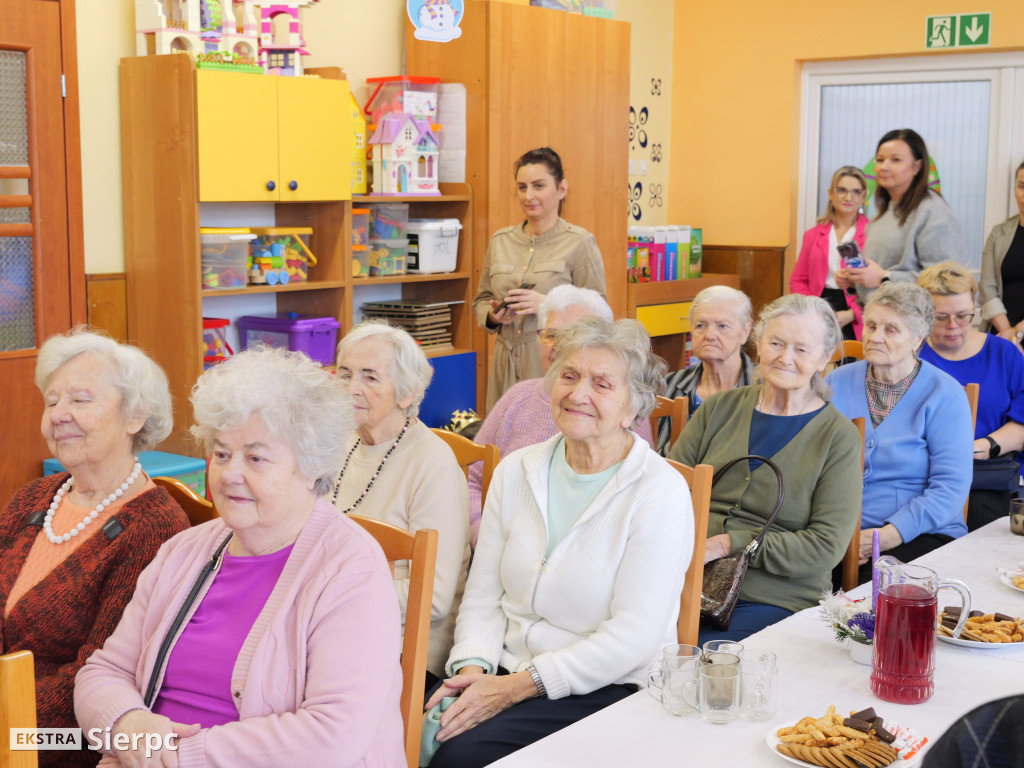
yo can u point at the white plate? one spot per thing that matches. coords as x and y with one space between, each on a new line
907 740
978 646
1005 578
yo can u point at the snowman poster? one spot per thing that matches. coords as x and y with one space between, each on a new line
436 20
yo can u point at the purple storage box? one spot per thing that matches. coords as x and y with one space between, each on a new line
316 337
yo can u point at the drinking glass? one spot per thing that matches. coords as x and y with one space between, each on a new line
760 687
723 646
716 692
669 677
1017 516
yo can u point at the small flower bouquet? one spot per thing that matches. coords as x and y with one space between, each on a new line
851 620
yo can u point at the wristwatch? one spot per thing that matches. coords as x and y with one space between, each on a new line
885 279
993 449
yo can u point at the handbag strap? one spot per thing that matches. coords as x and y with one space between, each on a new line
778 502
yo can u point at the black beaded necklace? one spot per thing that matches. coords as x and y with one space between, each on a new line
376 474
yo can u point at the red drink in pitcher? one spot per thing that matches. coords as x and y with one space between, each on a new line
903 665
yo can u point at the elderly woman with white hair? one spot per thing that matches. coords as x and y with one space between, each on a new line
73 544
582 553
788 419
396 470
268 636
919 436
720 321
522 416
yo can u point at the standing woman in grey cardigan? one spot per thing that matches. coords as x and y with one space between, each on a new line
915 228
1002 272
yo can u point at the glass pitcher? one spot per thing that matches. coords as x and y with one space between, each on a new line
903 662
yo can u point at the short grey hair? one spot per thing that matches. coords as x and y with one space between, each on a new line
299 402
807 306
564 296
645 371
410 369
141 382
744 310
910 301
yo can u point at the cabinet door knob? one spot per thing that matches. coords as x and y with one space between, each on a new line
271 186
293 185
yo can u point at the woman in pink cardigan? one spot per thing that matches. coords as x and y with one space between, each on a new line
843 221
270 635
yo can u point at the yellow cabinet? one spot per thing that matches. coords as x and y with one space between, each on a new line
272 138
665 319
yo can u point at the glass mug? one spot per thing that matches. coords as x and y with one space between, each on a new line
668 677
759 696
715 692
903 661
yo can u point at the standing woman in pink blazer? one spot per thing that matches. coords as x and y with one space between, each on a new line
843 221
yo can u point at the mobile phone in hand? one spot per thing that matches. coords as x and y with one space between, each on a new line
851 254
505 303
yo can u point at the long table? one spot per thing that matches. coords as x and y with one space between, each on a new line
814 671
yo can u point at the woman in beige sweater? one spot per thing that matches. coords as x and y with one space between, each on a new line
524 262
399 472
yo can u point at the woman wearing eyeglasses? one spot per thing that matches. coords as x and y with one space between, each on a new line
843 222
970 356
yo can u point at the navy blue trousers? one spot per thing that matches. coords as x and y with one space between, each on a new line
521 725
747 619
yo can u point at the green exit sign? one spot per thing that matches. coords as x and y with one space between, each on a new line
958 30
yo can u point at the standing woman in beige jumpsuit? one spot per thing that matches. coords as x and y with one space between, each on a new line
524 262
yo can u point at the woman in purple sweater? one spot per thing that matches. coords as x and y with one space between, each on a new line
270 635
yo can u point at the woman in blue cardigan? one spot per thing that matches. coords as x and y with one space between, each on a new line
919 438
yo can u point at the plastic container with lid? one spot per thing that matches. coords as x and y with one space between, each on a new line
433 245
280 255
387 257
389 221
223 255
360 240
416 96
215 342
315 337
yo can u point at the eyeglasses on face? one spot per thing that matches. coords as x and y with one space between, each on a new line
960 318
844 192
546 337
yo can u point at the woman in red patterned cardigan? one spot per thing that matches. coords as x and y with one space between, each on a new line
72 545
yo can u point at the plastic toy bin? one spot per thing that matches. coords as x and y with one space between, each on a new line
416 96
189 470
389 221
223 254
360 238
280 255
215 343
387 257
433 245
313 336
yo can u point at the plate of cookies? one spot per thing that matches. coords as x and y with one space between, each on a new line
1013 579
991 631
837 741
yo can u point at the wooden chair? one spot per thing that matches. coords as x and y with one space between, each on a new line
467 452
198 509
678 410
973 392
420 549
850 348
851 560
699 479
17 706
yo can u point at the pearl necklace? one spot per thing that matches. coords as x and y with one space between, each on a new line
359 441
48 520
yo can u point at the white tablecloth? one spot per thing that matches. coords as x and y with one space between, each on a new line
814 672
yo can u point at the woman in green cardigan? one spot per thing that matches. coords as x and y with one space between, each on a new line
788 419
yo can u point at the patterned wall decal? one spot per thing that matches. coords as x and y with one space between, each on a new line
656 200
655 153
637 121
655 86
636 192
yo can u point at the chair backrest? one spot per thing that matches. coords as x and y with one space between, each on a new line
678 410
851 560
699 479
973 393
198 509
849 348
17 705
467 452
420 549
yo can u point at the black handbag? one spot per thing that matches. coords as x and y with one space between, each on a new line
723 578
999 474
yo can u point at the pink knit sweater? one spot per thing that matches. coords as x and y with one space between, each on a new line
317 680
520 418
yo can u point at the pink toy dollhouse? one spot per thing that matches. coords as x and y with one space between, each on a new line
281 43
225 29
405 156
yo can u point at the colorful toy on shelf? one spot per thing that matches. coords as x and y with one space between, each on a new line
223 257
358 147
387 257
281 44
416 96
405 158
221 34
215 344
279 255
360 238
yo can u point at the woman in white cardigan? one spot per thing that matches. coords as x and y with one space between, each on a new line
583 548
